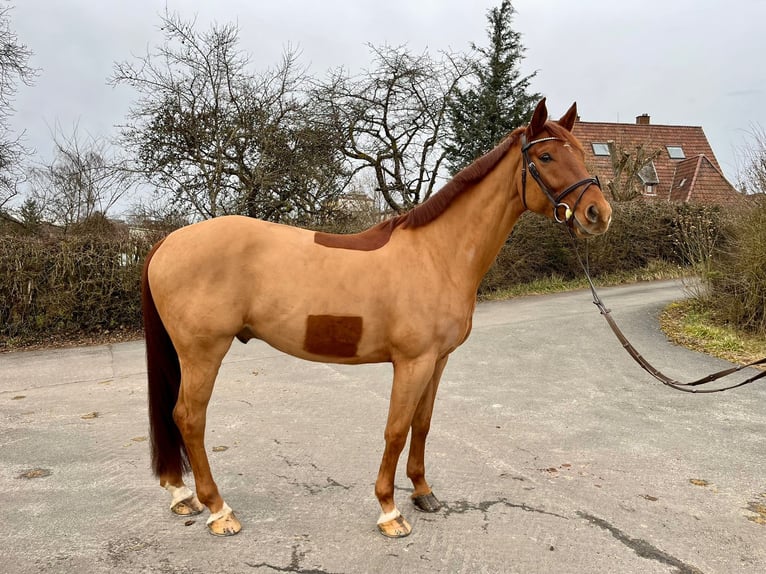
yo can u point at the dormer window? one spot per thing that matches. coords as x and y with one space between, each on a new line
675 152
648 176
600 148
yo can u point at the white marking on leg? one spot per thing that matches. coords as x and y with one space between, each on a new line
389 516
179 493
225 511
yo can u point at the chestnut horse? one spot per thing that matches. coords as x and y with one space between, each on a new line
402 292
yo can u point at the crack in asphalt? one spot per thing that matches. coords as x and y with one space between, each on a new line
641 547
314 488
295 564
464 506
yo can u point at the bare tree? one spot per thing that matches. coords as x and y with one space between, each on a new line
14 68
218 139
633 169
84 178
751 177
158 213
394 119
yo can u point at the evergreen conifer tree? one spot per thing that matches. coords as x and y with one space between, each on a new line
499 99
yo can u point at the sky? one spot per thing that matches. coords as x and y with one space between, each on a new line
683 62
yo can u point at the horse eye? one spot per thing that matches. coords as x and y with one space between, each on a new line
545 158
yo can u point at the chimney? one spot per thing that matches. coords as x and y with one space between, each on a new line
643 120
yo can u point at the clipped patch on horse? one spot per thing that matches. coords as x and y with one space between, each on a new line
333 335
369 240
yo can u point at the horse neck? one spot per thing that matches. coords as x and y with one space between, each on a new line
472 230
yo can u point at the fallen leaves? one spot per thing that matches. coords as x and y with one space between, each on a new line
35 473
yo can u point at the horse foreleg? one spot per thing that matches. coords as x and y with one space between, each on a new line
410 379
197 380
422 497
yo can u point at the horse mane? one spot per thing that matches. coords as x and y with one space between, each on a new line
377 236
435 205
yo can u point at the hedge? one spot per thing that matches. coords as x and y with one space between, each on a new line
68 286
84 284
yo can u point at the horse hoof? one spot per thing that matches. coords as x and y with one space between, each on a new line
396 528
426 502
224 523
188 507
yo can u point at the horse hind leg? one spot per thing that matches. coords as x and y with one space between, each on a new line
197 379
423 497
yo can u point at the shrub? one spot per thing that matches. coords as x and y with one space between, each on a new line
737 281
641 233
89 281
68 285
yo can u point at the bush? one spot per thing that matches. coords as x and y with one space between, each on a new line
641 233
89 282
737 279
68 285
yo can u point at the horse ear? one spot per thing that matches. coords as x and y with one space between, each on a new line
567 121
538 119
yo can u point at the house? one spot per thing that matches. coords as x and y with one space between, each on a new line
675 163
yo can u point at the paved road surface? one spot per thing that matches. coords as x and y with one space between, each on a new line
551 450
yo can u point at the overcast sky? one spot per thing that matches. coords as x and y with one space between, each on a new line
690 62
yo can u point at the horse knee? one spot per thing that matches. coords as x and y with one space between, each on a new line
395 438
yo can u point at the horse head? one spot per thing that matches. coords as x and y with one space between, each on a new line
555 181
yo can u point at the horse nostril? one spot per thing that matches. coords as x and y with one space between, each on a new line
592 213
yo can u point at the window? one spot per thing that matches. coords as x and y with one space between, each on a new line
675 152
649 190
600 148
648 174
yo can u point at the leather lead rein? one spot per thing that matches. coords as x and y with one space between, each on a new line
688 387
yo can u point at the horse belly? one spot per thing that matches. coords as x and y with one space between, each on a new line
339 317
328 338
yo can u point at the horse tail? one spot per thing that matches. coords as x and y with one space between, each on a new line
169 455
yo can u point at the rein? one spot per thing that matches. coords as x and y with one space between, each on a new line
688 387
557 202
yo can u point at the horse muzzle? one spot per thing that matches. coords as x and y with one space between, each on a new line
593 220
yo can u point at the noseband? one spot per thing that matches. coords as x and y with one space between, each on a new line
556 200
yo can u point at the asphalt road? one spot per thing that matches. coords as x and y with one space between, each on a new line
550 449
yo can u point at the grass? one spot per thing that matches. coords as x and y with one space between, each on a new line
688 323
556 284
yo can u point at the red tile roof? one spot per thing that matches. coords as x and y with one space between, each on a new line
698 170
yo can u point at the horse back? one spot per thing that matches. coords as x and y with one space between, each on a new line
241 277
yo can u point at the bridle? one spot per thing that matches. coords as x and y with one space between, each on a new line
558 203
556 200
